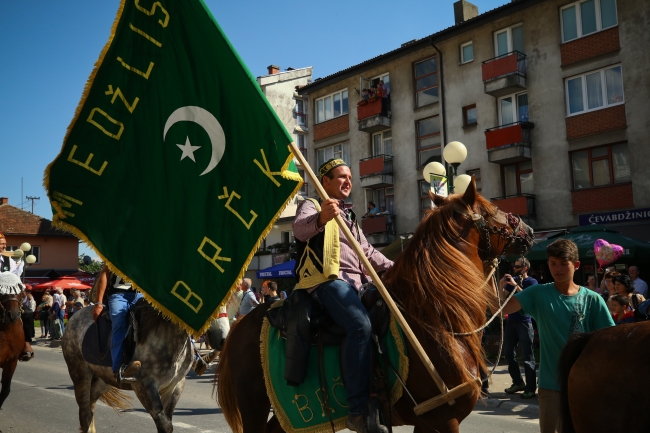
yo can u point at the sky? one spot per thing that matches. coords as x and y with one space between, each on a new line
48 50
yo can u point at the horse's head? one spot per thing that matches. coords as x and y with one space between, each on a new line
499 232
9 309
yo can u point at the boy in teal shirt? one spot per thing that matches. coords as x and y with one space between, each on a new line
561 309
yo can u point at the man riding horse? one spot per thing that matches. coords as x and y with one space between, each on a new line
325 253
121 299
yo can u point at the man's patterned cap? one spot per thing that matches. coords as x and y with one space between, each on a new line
329 166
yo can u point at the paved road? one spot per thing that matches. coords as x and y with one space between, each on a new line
42 400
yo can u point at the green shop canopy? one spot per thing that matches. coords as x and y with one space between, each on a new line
585 237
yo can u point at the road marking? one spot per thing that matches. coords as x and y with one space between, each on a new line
70 394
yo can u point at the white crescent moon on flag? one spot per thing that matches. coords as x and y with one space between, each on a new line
209 123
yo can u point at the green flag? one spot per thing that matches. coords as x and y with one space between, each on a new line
175 166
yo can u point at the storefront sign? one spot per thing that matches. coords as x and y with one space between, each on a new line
615 217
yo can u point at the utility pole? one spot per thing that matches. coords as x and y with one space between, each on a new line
32 199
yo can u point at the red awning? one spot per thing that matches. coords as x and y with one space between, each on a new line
63 283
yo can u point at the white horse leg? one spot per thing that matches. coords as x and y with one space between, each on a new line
147 392
170 399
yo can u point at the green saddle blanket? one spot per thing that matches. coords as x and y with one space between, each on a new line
301 409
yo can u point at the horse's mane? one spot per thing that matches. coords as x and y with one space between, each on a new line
438 286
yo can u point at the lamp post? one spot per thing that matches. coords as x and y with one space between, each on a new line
436 173
30 259
403 238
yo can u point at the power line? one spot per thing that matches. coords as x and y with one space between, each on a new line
32 199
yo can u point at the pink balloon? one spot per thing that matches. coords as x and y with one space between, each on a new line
607 253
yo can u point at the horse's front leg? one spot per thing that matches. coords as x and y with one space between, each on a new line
147 392
8 369
170 399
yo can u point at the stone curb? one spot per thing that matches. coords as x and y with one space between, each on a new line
508 405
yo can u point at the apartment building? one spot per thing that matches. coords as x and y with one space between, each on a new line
279 87
549 97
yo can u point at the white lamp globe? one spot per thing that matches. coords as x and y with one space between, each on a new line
461 183
25 246
433 167
30 259
18 254
455 152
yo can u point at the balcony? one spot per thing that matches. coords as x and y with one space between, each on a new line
370 118
505 74
379 230
376 171
509 143
522 205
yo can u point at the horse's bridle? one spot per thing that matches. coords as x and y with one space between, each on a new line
514 222
3 310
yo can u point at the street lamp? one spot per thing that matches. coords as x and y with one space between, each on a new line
454 153
30 259
405 237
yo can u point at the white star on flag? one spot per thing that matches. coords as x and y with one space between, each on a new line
188 149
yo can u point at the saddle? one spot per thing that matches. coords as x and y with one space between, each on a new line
96 346
303 322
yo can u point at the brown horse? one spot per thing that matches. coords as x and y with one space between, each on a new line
439 283
605 382
12 340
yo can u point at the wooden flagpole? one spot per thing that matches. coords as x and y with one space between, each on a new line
447 396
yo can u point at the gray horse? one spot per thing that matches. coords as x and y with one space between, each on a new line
165 352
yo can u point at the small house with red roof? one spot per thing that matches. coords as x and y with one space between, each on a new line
56 251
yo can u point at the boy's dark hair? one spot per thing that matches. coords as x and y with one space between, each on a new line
563 249
273 286
622 300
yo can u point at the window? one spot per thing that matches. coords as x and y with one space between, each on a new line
467 52
301 143
367 83
341 150
332 106
585 17
599 165
287 237
469 115
426 82
300 112
509 40
517 178
383 198
425 202
304 191
382 143
35 251
513 108
594 90
428 133
477 177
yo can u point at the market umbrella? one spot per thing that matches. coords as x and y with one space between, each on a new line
63 283
585 237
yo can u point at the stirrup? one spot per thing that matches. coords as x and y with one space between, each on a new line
126 374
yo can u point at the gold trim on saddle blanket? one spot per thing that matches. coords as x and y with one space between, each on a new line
308 274
339 424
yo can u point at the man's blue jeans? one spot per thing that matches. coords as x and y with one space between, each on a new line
342 303
119 305
520 333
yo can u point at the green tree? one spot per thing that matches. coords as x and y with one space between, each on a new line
93 267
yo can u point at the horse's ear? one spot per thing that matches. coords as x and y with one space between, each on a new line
469 197
438 200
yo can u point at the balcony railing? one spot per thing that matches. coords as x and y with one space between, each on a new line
370 117
384 224
505 74
509 143
376 171
521 204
